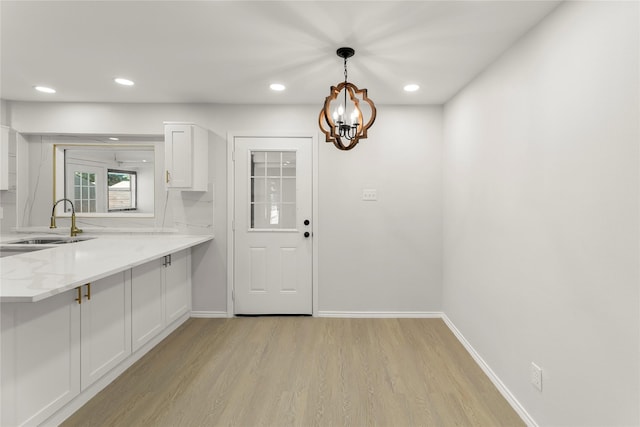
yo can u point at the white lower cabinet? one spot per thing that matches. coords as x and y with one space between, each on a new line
160 294
40 370
55 348
177 286
105 333
147 302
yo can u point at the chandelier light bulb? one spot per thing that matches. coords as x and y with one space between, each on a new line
354 116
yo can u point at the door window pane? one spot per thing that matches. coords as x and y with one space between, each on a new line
259 215
84 191
288 215
289 163
288 189
273 189
272 202
258 190
258 163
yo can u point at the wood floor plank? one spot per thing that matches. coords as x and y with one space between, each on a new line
302 371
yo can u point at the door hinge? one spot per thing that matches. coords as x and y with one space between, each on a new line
233 156
233 295
233 225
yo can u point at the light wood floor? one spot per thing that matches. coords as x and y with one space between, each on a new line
302 371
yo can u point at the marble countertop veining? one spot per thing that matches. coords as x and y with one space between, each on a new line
36 275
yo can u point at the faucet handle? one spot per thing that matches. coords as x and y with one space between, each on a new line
74 230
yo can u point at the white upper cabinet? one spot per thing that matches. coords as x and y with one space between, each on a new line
186 156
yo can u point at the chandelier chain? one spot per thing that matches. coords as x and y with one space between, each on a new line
345 70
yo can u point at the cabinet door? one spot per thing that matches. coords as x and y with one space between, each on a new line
178 286
106 325
178 155
147 302
40 358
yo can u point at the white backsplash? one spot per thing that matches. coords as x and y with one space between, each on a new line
189 212
175 211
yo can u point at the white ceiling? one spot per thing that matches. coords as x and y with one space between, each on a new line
230 51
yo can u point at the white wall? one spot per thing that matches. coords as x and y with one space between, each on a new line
541 218
374 256
4 113
385 255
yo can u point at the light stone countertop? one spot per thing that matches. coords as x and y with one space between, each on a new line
33 276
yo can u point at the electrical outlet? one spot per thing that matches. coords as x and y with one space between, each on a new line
370 195
536 376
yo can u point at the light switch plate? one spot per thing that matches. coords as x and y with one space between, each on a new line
536 376
370 194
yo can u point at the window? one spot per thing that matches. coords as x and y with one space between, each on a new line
121 190
84 191
273 190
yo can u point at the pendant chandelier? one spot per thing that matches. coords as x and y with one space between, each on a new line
344 124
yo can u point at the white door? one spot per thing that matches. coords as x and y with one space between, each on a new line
86 186
273 226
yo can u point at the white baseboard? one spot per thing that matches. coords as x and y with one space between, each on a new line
382 314
492 375
209 314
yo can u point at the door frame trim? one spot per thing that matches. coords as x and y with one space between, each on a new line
231 191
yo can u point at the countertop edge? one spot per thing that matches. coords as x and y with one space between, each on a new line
198 239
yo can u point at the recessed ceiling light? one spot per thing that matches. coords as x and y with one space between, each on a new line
124 82
113 138
411 87
277 87
44 89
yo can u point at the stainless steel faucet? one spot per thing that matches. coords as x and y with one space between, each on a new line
74 230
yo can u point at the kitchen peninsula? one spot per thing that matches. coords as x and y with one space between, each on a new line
74 316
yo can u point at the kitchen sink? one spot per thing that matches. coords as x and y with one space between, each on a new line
8 251
53 240
36 243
